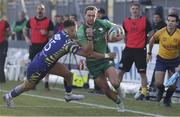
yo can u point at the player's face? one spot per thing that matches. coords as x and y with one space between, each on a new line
72 31
99 15
90 17
157 18
135 11
171 22
40 10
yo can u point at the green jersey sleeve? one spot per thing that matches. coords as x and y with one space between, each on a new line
106 23
81 36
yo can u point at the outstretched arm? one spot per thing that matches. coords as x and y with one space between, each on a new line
95 55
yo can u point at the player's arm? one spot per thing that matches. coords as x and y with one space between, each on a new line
76 49
107 24
178 68
8 29
95 55
26 32
151 44
85 38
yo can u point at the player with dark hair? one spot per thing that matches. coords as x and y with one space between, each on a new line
168 57
46 62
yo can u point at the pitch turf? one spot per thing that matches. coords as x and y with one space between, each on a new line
40 102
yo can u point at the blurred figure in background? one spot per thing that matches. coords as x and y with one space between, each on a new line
101 14
41 30
4 33
19 25
66 17
75 19
158 22
58 23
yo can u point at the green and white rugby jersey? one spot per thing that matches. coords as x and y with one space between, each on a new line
100 29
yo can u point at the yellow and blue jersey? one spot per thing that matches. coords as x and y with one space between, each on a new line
57 47
169 44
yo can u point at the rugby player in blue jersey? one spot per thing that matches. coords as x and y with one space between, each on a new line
46 62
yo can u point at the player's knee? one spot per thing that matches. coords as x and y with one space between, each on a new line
28 85
159 84
68 75
115 84
172 88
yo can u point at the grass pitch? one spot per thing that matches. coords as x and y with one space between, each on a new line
40 102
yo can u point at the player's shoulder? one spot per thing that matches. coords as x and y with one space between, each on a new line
161 31
178 30
81 30
101 21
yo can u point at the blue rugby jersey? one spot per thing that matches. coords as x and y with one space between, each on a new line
57 47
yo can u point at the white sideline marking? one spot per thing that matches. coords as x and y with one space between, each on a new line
36 106
88 104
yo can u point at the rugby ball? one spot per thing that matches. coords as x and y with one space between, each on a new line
114 31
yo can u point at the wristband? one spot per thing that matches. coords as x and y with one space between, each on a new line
106 56
149 53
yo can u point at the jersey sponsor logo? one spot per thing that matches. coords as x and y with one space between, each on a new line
175 40
101 30
170 47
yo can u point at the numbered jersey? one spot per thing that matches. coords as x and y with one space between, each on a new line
57 47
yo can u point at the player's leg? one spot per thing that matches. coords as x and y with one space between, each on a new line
141 64
160 70
125 63
61 70
172 64
169 92
112 76
25 86
159 79
102 83
33 77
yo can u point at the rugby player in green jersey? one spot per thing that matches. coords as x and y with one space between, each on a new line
103 70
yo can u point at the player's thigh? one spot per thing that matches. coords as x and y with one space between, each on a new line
140 60
126 60
101 82
60 70
159 77
112 76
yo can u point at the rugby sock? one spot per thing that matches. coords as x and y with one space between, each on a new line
161 88
118 101
16 91
46 84
169 93
144 91
68 89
